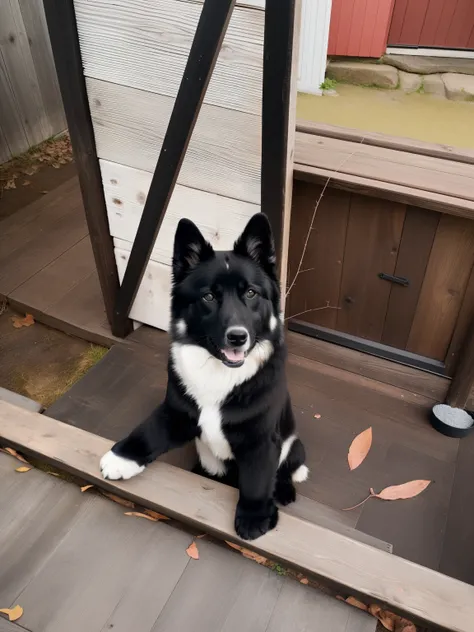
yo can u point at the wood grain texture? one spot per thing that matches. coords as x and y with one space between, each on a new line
463 378
465 318
14 138
396 167
146 46
21 71
432 597
223 156
419 231
373 237
321 268
219 218
443 288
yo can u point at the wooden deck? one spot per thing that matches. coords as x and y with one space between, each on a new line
73 561
346 390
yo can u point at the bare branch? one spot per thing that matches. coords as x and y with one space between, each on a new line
336 170
313 309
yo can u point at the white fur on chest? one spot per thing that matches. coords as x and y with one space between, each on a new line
208 381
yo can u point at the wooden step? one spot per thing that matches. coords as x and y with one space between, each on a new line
419 593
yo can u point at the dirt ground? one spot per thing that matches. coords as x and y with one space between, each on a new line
39 362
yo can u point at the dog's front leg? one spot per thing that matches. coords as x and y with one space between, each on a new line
256 510
162 431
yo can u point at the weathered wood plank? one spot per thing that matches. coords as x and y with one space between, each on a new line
220 219
223 156
396 167
146 45
418 592
12 126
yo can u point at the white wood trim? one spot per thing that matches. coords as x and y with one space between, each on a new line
431 52
123 43
223 156
220 219
315 19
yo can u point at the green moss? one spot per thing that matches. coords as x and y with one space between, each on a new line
328 84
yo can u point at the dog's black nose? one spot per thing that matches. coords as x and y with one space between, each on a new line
236 336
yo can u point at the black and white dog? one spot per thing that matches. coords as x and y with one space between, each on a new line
226 377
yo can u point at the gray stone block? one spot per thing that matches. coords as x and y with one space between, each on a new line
459 87
409 82
363 74
433 84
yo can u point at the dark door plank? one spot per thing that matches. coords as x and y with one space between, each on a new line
461 329
418 235
373 238
319 280
443 289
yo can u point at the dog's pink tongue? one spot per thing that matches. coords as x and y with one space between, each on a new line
234 355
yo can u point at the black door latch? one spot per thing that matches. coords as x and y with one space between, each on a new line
394 279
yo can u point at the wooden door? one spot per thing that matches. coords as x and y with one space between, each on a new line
433 23
354 240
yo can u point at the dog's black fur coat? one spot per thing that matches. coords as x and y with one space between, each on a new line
214 292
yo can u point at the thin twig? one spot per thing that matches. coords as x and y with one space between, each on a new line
336 170
358 504
313 309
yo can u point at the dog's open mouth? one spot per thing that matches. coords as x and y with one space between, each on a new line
233 357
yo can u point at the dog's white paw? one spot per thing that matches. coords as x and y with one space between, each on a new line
301 474
115 467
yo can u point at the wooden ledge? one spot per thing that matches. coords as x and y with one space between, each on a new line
419 593
399 174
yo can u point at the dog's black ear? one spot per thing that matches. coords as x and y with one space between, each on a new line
256 242
190 249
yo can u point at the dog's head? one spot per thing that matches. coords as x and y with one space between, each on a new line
226 302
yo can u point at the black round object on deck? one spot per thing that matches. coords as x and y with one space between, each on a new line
452 422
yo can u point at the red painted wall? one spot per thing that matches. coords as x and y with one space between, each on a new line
439 23
359 28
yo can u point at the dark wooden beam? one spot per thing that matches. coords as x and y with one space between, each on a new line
205 49
277 116
62 28
463 379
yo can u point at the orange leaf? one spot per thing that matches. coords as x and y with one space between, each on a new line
200 537
304 580
27 321
120 501
359 448
317 416
352 601
251 555
13 613
14 453
155 515
140 515
86 487
23 469
192 551
401 492
387 619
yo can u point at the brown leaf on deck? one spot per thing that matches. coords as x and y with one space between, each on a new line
23 468
317 416
359 448
27 321
304 580
86 487
251 555
26 183
192 551
120 501
155 515
352 601
404 491
14 613
10 184
14 453
138 514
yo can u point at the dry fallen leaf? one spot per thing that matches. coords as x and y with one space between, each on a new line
13 613
120 501
25 183
404 491
86 487
317 416
396 492
10 184
251 555
14 453
138 514
192 551
54 474
155 515
359 448
352 601
27 321
23 469
44 192
304 580
200 537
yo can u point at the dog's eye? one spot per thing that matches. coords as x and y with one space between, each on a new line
208 297
250 293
